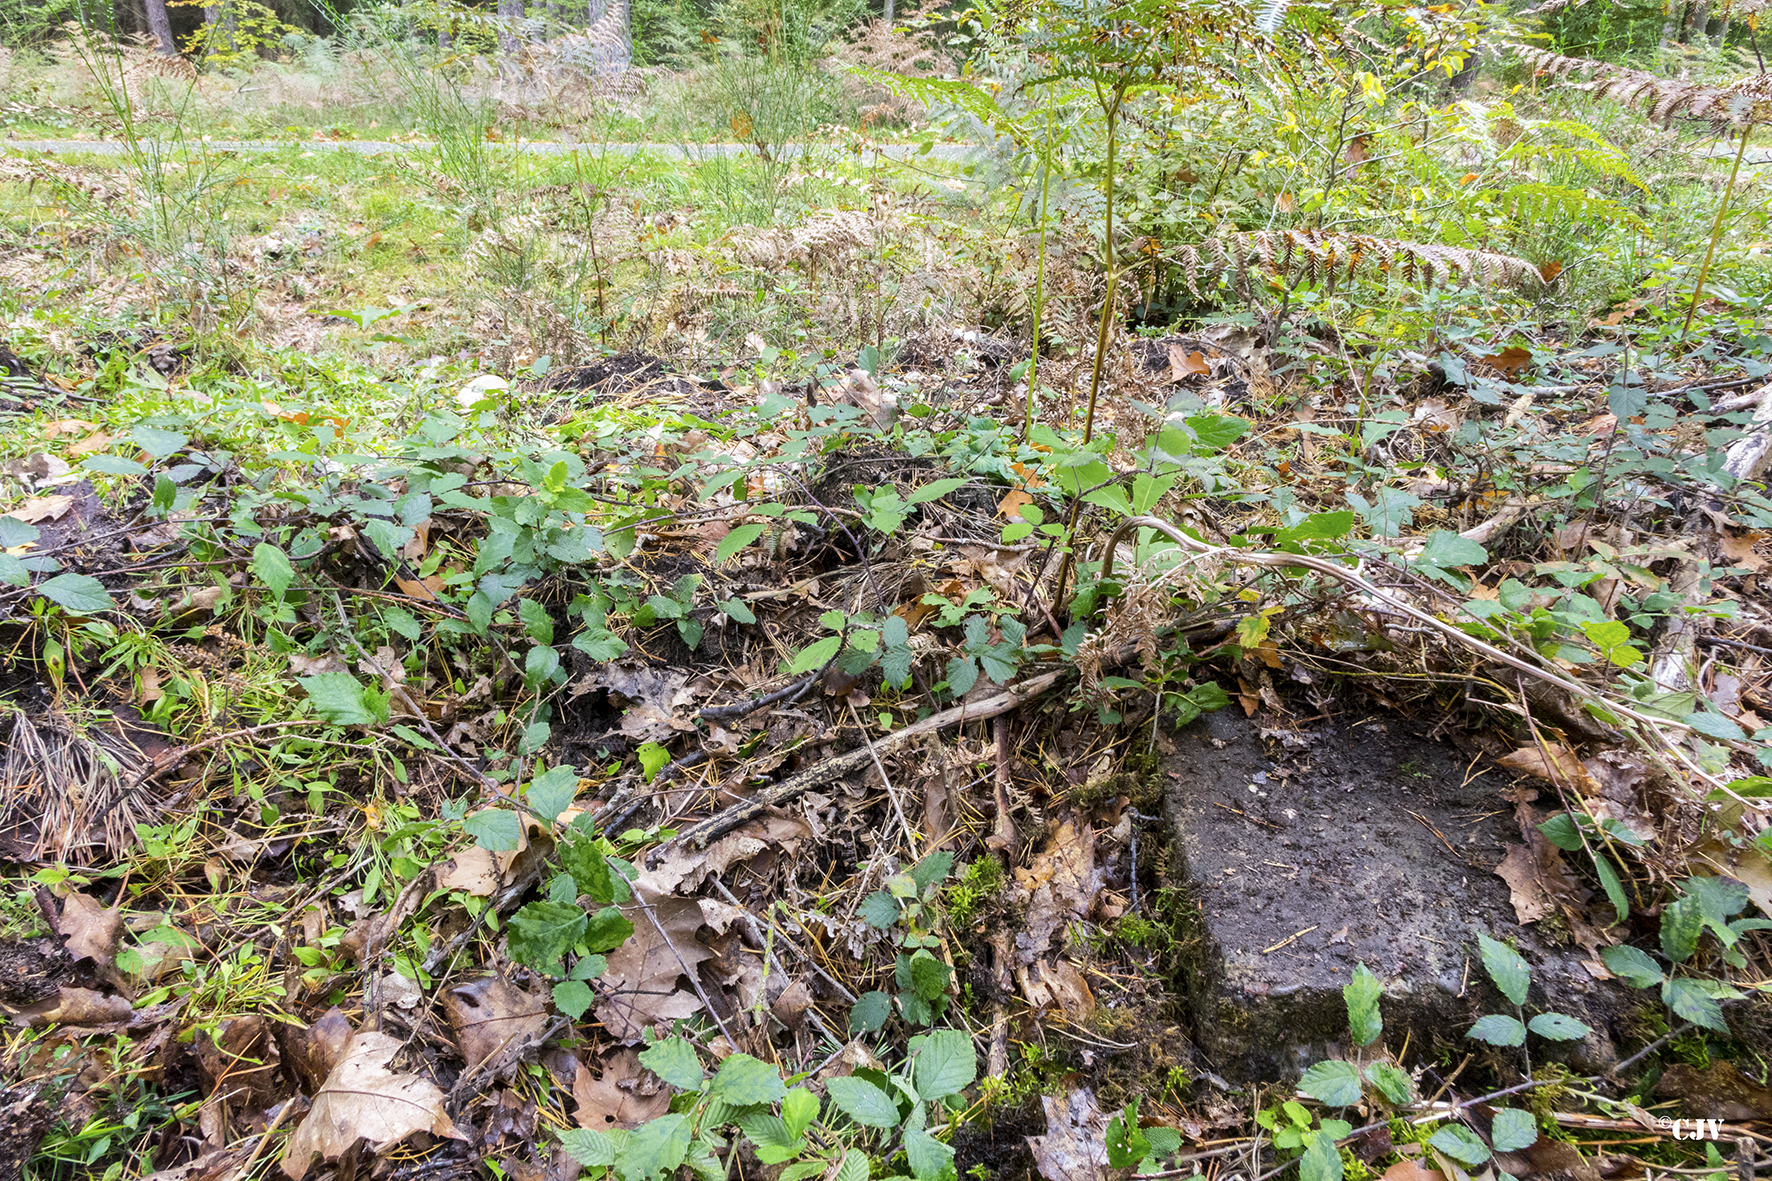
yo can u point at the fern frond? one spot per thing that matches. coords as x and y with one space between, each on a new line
1318 256
1532 200
1272 13
1738 105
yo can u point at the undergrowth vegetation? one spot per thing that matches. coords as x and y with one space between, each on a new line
675 620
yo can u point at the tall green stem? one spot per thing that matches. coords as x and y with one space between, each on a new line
1716 231
1110 261
1027 422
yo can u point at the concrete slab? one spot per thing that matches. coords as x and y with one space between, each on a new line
1307 853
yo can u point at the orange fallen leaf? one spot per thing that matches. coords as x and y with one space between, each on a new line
1009 507
1550 270
66 426
1183 364
1511 360
426 589
91 445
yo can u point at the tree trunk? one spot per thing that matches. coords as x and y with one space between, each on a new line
510 14
612 45
891 8
160 25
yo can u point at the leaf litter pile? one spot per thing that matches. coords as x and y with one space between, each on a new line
625 772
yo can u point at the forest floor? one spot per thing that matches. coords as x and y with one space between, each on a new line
445 739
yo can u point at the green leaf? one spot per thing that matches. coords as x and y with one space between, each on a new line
1215 432
943 1063
494 829
1321 1161
1632 965
815 654
607 930
156 442
1558 1027
1362 995
573 997
1126 1141
588 1148
879 910
1513 1130
1719 899
1335 1083
927 1156
674 1060
1682 922
929 976
870 1012
1321 527
80 593
551 792
1561 831
1391 1082
543 932
1614 888
936 490
931 869
1688 999
743 1081
770 1135
1459 1143
112 465
1506 968
653 758
1716 726
583 858
863 1102
655 1147
338 698
736 609
1445 548
799 1107
735 540
1498 1029
854 1166
273 568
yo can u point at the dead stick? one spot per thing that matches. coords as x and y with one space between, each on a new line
796 786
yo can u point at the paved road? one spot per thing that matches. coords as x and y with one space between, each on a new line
950 153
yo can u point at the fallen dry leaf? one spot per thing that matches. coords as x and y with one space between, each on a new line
1511 361
1721 1092
77 1006
316 1051
490 1014
1564 765
364 1099
472 871
42 508
1059 986
1410 1170
91 444
1183 364
1536 878
1074 1147
642 973
66 426
89 930
623 1095
242 1060
1009 508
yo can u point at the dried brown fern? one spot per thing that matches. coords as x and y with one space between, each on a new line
1736 105
1316 256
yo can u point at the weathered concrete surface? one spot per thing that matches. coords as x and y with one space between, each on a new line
1310 852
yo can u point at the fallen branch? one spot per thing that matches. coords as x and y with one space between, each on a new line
798 785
